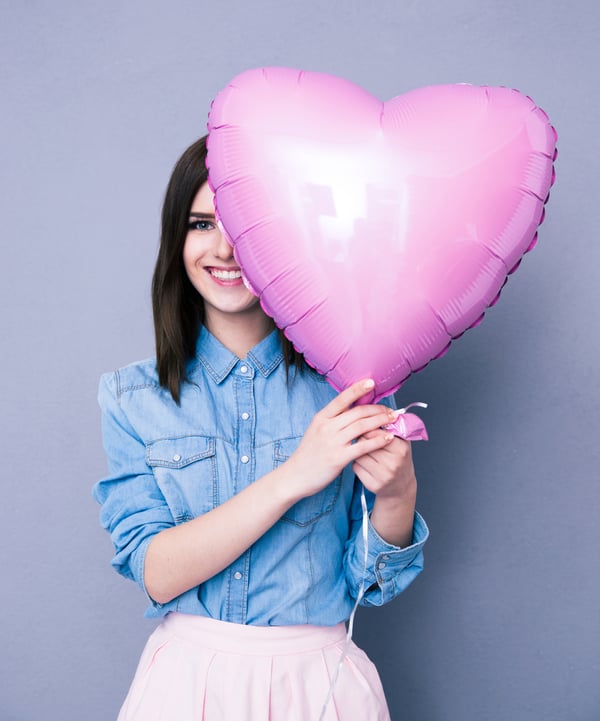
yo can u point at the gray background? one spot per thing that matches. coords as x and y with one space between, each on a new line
98 101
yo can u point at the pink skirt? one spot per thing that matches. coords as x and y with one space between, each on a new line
198 669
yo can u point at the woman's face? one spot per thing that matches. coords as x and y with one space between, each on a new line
211 267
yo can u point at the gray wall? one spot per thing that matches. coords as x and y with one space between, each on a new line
98 101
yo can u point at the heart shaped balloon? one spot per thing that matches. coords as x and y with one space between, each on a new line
376 232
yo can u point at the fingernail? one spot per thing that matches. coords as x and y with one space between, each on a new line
369 383
389 436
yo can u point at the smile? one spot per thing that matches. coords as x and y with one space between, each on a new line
225 274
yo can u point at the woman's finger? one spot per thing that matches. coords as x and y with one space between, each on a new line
380 416
345 399
364 446
363 428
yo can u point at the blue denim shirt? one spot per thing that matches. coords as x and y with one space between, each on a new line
238 420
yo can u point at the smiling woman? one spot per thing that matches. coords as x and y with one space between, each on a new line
212 270
234 498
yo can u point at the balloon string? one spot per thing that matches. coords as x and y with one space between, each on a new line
401 411
401 432
359 595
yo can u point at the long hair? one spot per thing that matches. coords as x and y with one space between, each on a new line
177 306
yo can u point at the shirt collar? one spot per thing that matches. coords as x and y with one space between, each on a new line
220 361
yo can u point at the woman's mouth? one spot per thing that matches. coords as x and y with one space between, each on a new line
231 276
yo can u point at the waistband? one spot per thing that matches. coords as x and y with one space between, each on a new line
252 640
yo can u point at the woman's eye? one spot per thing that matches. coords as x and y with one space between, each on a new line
202 225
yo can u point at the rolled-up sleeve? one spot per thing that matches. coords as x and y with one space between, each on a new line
389 569
133 509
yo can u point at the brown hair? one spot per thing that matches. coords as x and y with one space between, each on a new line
177 306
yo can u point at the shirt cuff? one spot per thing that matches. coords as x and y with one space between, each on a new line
139 563
391 569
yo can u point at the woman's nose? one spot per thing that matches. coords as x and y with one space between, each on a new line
224 249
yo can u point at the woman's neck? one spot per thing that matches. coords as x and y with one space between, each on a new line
239 332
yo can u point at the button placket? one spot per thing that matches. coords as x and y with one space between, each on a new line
237 604
238 572
245 387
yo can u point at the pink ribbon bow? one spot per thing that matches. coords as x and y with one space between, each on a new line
408 425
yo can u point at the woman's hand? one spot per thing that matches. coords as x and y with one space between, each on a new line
388 472
338 435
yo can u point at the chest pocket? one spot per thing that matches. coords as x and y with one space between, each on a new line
185 469
309 509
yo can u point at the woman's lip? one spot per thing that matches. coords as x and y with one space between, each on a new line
223 275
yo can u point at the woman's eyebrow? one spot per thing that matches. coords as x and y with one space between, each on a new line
209 216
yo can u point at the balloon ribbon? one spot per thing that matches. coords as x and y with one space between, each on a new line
411 428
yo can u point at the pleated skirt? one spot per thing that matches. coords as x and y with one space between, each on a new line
198 669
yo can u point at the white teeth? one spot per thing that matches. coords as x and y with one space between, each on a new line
226 274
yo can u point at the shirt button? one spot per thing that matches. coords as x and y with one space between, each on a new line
244 459
244 369
176 457
385 557
380 565
245 416
237 575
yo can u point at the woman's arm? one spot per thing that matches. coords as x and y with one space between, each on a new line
386 560
184 556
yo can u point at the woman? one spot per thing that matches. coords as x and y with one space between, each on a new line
232 497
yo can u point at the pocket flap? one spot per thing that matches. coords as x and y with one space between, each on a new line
283 448
179 452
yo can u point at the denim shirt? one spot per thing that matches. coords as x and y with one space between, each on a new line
238 420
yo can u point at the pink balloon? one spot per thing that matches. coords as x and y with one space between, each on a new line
376 232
